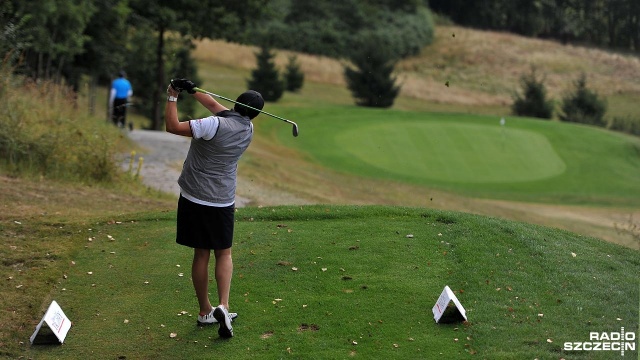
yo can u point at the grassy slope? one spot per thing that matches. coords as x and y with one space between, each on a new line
59 215
270 170
357 278
528 160
483 69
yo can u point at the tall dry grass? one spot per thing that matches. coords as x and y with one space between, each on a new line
220 53
44 132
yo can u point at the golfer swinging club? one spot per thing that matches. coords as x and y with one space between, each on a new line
207 191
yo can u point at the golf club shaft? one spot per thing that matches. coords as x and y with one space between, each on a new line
245 105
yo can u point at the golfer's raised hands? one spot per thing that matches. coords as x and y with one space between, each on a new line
183 84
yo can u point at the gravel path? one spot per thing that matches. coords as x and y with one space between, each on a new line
163 155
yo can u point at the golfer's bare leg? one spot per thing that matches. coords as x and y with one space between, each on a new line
224 270
200 278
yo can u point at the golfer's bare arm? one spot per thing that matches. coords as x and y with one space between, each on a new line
209 102
171 122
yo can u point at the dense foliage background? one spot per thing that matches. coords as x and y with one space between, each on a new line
608 23
77 42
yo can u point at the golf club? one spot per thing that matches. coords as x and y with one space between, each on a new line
295 126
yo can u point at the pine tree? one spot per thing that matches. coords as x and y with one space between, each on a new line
583 105
372 83
534 101
294 77
265 79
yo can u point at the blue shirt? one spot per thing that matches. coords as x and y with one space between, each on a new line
122 87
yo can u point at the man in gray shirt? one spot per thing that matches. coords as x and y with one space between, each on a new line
207 191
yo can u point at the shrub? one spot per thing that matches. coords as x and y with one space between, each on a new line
372 82
534 100
44 133
265 79
583 105
626 124
294 77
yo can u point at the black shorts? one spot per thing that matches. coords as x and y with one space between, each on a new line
204 227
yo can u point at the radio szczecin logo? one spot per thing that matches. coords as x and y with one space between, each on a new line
605 341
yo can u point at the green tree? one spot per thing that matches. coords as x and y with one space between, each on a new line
533 102
226 19
583 105
265 78
12 34
334 27
294 77
612 23
105 50
372 82
56 34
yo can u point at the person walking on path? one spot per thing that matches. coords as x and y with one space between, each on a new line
121 92
206 205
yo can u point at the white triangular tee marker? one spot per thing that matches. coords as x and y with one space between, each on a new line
442 307
57 321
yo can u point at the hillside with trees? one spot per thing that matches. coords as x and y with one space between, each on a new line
606 23
77 42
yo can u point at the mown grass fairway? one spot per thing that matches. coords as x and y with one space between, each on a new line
453 152
343 282
527 160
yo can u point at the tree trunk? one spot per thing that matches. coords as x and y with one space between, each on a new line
92 94
157 93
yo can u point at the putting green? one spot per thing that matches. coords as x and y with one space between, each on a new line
453 152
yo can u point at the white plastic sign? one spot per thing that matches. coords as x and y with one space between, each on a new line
446 297
57 321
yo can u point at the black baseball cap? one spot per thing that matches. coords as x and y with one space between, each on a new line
251 98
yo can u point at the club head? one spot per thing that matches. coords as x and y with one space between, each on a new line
295 130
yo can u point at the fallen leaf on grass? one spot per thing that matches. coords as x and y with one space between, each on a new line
283 263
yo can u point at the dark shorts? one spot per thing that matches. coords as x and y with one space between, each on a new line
204 227
119 114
